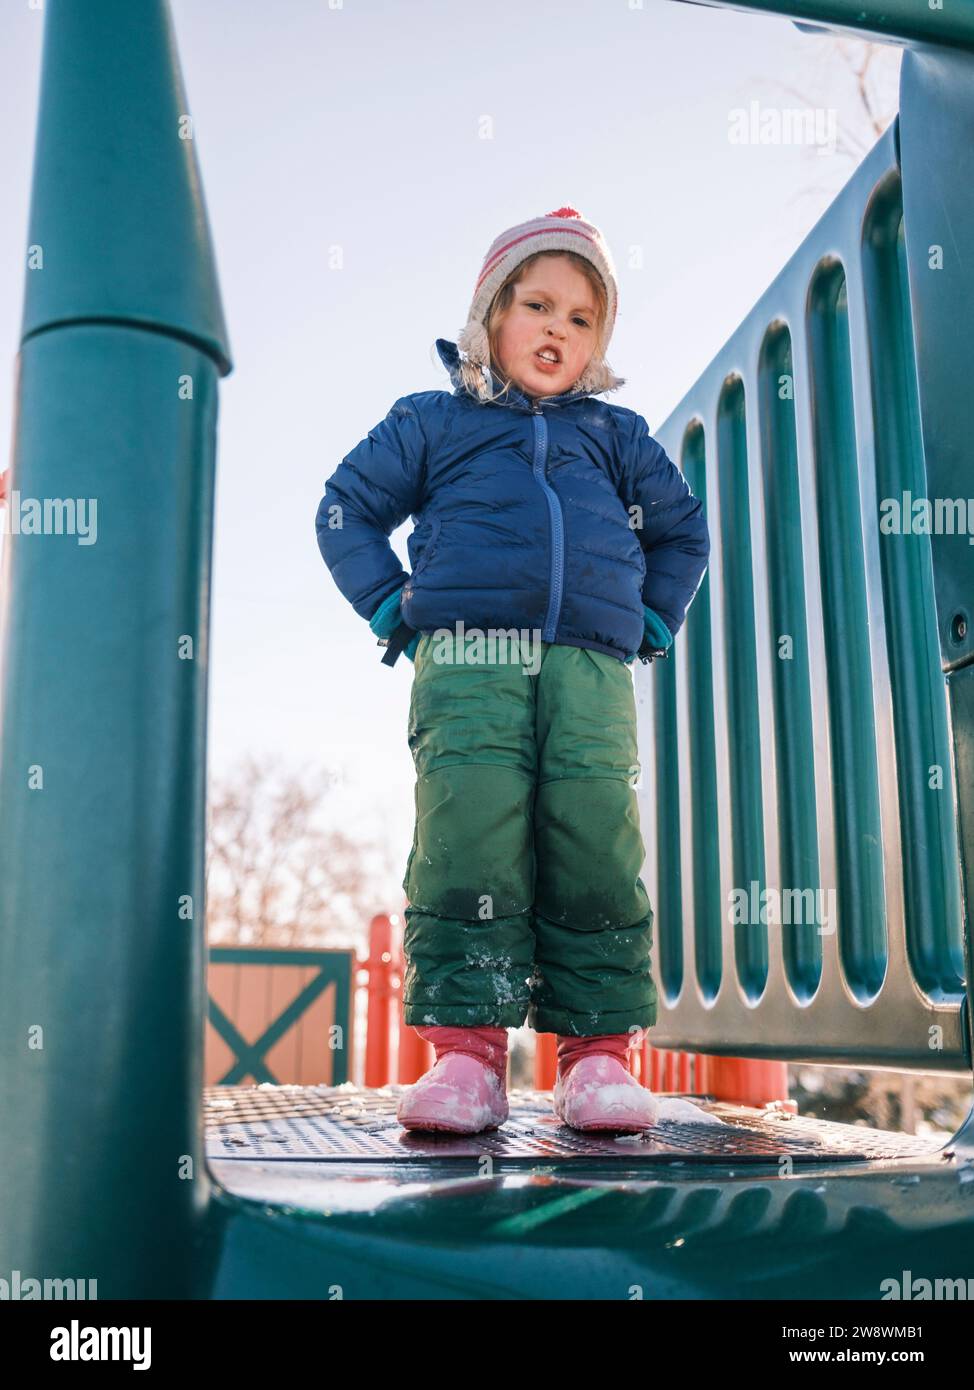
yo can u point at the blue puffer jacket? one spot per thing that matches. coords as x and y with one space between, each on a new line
521 513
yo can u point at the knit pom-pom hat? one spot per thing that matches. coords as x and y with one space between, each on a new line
561 230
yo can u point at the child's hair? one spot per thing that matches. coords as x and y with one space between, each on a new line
504 298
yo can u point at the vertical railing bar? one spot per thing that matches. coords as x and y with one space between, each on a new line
690 985
707 926
832 983
762 641
744 728
882 698
796 823
926 843
668 830
648 808
710 394
848 673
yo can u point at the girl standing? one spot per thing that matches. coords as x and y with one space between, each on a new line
554 542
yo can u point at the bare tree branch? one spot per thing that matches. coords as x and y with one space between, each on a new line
275 875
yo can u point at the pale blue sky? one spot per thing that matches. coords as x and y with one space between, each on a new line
360 126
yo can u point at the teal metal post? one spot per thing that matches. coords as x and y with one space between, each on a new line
937 138
103 717
894 21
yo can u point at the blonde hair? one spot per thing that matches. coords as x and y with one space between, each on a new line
504 298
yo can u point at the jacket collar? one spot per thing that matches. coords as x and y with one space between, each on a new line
450 357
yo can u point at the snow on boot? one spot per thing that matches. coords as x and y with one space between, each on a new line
599 1093
459 1095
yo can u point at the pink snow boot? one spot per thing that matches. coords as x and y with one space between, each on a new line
466 1091
595 1090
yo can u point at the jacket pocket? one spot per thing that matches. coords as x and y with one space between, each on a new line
636 553
639 556
429 548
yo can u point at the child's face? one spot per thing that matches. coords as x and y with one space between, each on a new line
554 306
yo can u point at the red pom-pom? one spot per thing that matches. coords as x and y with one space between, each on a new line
563 212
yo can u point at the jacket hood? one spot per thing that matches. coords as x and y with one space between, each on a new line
449 354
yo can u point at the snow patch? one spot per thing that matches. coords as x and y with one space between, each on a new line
672 1110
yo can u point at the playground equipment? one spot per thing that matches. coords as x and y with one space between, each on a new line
811 773
818 725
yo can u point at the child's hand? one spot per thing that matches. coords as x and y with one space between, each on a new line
388 617
657 637
657 633
673 530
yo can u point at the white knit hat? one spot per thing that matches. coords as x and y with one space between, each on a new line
562 230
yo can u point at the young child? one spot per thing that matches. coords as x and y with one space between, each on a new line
555 519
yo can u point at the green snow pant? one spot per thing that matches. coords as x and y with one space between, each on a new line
523 880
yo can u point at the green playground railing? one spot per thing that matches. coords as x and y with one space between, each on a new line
807 754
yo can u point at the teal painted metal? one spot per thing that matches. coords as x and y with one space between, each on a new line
794 731
102 746
823 684
892 21
743 732
596 1232
121 243
336 969
704 840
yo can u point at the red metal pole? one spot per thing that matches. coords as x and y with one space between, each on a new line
415 1055
744 1081
701 1074
380 965
545 1061
683 1071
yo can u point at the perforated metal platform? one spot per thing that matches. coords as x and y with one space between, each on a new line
347 1123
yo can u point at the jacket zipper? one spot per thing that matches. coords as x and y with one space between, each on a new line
556 577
